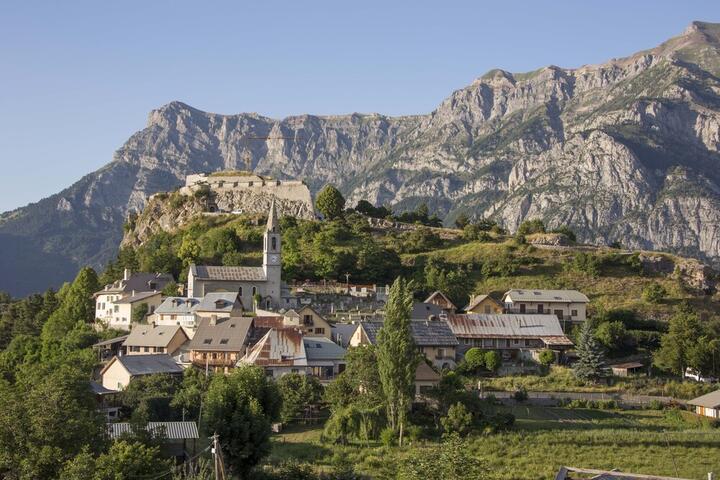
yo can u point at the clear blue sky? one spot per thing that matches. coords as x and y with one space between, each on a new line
78 78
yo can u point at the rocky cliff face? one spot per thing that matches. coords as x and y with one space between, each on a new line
624 151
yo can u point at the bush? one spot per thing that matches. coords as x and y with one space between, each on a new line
584 263
655 405
458 420
546 357
388 437
475 359
654 293
520 394
611 334
492 360
531 226
413 433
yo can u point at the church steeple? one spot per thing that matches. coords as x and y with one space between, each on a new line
272 223
271 240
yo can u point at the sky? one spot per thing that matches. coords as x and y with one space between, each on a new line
78 78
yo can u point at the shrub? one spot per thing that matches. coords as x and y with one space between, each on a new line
492 360
520 394
413 433
475 358
388 437
584 263
607 404
546 357
654 293
531 226
458 420
655 405
611 334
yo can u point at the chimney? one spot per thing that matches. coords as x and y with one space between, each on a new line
133 293
126 274
213 320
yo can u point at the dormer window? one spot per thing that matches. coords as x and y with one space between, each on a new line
207 341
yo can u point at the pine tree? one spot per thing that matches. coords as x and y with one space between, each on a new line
591 357
397 356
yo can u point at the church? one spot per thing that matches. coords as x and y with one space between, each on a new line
248 281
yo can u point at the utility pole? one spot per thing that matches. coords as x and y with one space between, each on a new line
215 456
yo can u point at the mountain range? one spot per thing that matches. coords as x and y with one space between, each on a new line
624 151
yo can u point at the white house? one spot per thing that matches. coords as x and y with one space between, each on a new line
707 405
177 311
567 305
113 304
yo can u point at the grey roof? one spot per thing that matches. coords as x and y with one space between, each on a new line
168 430
422 311
218 302
479 325
322 348
531 295
232 274
148 364
111 341
140 282
343 331
709 400
178 305
227 335
152 336
573 473
424 334
138 297
98 389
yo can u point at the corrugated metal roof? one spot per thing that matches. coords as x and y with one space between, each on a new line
531 295
233 274
168 430
153 336
227 335
321 348
709 400
148 364
111 341
478 325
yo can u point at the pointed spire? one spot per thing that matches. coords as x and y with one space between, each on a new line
272 223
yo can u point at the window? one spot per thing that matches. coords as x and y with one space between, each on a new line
307 319
573 313
116 309
207 341
223 341
267 303
320 330
273 241
516 341
540 308
522 308
527 342
487 309
440 353
294 370
507 343
146 349
254 290
173 317
559 314
240 291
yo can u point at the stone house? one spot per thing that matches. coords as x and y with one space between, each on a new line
149 339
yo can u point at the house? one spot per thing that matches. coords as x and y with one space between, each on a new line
123 309
422 312
342 333
107 349
220 305
425 379
106 400
483 304
441 300
279 351
434 339
627 369
219 343
177 311
149 339
247 282
573 473
309 321
179 439
566 305
120 371
325 358
707 405
109 313
515 336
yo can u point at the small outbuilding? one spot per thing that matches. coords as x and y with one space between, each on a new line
627 369
707 405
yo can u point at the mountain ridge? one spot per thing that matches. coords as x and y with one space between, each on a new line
625 150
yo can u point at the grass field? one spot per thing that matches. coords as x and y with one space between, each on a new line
542 440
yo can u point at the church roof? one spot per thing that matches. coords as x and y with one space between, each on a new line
231 274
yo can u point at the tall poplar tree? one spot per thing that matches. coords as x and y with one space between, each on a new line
397 356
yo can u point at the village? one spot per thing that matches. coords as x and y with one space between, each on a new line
227 317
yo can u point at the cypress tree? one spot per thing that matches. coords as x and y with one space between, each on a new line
397 356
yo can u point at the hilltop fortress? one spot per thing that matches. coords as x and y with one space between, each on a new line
245 192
